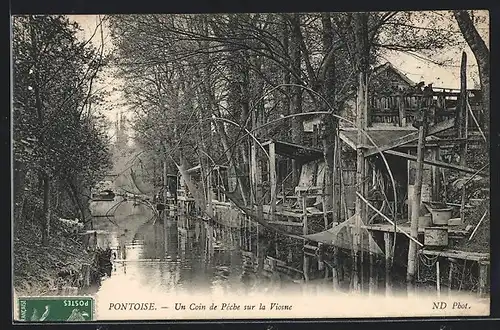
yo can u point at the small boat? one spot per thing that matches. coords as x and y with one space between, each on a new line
104 195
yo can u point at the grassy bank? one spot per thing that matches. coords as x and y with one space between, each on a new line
480 241
44 270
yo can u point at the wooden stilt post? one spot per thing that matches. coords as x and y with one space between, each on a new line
241 235
210 209
360 177
415 209
360 21
321 257
401 108
483 278
165 188
371 283
249 235
336 270
436 186
305 231
335 216
272 177
388 241
462 123
451 266
438 279
364 217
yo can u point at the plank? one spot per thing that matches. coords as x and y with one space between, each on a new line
222 204
437 163
288 197
458 254
285 223
439 127
387 227
272 177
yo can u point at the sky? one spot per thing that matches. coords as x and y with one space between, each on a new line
110 83
448 75
413 67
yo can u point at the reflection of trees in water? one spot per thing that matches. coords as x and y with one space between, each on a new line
152 234
186 264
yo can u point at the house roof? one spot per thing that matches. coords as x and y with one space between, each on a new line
379 136
384 67
294 151
441 76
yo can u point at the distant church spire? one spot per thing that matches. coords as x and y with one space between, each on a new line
121 134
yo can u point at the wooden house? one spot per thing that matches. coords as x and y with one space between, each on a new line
211 183
395 111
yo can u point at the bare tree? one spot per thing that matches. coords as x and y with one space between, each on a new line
482 55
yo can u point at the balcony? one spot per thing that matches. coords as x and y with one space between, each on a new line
402 109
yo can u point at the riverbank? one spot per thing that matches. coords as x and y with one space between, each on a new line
62 266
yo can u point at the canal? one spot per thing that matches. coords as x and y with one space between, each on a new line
157 261
155 254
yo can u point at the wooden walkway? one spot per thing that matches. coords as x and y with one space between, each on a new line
457 254
387 227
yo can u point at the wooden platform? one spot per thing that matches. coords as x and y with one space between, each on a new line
185 199
387 227
219 203
295 213
457 254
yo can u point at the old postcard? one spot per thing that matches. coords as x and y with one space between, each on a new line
250 166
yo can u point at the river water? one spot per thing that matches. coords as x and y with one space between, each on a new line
156 255
156 260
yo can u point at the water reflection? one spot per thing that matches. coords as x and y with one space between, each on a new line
162 255
178 256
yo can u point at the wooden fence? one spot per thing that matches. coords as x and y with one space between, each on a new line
402 109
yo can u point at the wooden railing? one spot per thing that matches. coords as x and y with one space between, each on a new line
401 109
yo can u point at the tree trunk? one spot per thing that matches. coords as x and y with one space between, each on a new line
244 99
45 180
329 128
417 191
296 102
362 54
19 182
76 201
165 184
232 162
237 99
213 109
286 107
482 55
46 210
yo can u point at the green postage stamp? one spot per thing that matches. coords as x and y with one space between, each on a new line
54 309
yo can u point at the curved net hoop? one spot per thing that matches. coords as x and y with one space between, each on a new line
343 237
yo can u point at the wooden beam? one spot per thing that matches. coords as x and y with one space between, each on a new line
458 254
402 112
272 177
344 138
388 241
389 220
417 198
435 175
483 279
451 263
462 123
436 163
285 223
439 127
306 259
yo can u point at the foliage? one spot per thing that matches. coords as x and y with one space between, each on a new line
180 71
58 135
